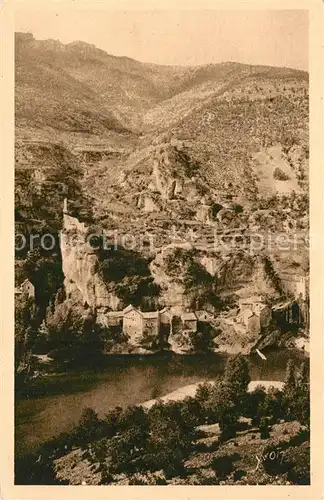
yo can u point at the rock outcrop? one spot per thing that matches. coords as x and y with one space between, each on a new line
79 261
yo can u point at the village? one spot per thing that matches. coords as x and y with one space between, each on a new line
250 317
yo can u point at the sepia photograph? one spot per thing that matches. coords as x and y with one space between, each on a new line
161 239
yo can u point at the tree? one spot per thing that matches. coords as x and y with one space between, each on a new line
296 394
264 428
210 396
170 438
237 378
41 341
73 331
89 427
301 403
253 402
303 375
26 324
290 382
202 340
272 405
289 391
191 412
128 448
112 421
228 415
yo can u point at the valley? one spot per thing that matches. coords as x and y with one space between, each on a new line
162 245
192 180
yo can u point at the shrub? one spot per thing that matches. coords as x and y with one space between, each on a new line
88 429
298 464
264 428
227 421
280 175
223 464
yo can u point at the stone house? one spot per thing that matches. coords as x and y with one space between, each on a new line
25 288
151 324
250 303
132 322
253 311
295 286
189 321
252 323
138 324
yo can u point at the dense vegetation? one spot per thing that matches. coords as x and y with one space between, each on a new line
127 273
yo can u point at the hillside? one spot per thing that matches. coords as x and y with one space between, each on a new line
167 154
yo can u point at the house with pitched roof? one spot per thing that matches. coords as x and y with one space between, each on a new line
138 324
25 288
254 313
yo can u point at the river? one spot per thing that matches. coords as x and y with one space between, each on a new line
57 400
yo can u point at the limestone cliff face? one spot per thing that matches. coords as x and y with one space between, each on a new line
171 269
169 176
162 182
204 214
240 273
188 276
79 261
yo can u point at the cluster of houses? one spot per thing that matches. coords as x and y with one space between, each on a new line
138 325
254 315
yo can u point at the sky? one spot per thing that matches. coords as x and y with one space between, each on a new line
269 37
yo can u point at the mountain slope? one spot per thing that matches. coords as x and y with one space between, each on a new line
151 150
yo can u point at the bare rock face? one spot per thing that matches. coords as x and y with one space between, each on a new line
79 262
190 190
164 178
172 270
161 179
204 214
210 263
245 274
149 206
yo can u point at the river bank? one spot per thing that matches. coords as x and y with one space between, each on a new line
54 403
191 390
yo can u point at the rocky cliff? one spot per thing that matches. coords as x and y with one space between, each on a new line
79 261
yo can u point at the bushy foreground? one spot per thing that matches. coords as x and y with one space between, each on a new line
223 435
